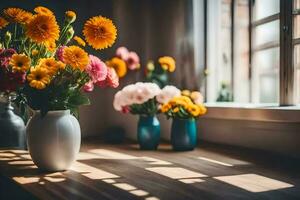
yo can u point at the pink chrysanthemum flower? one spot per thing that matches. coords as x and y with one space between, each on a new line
122 52
112 79
59 53
133 61
96 69
89 86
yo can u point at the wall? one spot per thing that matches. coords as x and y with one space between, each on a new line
153 28
270 129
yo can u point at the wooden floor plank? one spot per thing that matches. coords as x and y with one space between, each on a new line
124 172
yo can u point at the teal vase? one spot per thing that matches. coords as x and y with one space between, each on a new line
148 132
184 134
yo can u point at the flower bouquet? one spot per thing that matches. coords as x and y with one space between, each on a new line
184 109
123 61
159 75
140 99
53 71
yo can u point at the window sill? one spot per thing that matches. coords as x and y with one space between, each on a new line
253 112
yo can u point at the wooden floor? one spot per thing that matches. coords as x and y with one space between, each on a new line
124 172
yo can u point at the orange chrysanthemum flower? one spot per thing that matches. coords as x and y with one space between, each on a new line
38 78
100 32
51 46
14 15
19 63
76 57
3 23
43 11
51 65
119 65
42 28
79 41
26 17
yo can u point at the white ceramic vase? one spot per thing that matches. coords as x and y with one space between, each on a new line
53 140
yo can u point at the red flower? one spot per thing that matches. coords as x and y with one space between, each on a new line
5 55
10 81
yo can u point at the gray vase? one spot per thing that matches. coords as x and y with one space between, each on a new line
53 140
12 128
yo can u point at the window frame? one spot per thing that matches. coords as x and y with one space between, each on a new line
286 47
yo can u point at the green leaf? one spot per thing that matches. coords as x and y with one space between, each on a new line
77 99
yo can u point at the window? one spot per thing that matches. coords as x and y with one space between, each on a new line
249 51
296 47
265 51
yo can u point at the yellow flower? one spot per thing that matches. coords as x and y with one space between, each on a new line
19 63
14 15
75 57
186 99
167 63
185 93
165 107
51 46
70 16
42 28
43 11
34 52
176 109
194 110
119 65
38 78
60 65
202 108
3 23
49 64
79 41
99 32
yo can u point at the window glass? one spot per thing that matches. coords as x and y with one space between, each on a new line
296 4
265 8
241 88
219 50
297 26
265 76
266 33
269 88
297 72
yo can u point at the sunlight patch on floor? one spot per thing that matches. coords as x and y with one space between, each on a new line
86 156
254 182
26 180
191 180
124 186
175 172
54 179
111 155
154 161
91 172
21 162
7 154
215 161
139 193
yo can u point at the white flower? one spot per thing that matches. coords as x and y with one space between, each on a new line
168 93
197 97
137 93
117 101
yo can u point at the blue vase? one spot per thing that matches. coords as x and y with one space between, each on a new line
184 134
148 132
